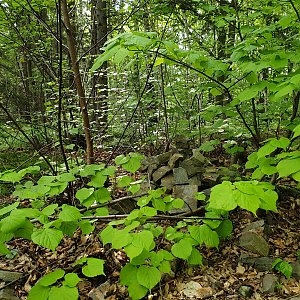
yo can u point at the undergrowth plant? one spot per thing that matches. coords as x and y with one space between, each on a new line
138 234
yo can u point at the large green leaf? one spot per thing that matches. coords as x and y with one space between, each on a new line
63 293
182 249
51 278
69 213
148 276
287 167
221 197
48 237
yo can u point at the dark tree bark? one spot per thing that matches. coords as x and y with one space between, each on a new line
78 83
99 81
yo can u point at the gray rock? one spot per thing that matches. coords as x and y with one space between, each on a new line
255 226
198 158
168 181
190 167
296 270
161 172
150 162
180 176
211 176
255 243
163 158
196 180
8 294
174 160
187 194
100 292
9 276
294 298
261 264
246 291
269 283
182 142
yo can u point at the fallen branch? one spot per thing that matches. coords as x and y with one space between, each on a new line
155 218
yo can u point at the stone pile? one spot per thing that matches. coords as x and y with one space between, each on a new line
182 174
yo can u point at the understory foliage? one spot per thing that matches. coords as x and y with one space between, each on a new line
136 234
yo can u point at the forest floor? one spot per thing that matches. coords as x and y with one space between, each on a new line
223 275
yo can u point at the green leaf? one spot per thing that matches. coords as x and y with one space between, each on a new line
69 228
63 293
284 267
104 57
118 238
8 208
128 275
25 231
57 188
134 188
287 89
94 267
148 211
109 171
203 234
66 177
296 130
182 249
121 55
266 150
148 277
287 167
39 292
12 222
48 238
247 201
3 249
71 279
102 195
133 251
98 180
51 278
102 211
124 181
46 180
165 267
121 159
221 197
86 227
268 201
195 258
84 193
177 203
69 213
49 210
106 234
91 170
10 176
213 223
143 239
225 229
137 291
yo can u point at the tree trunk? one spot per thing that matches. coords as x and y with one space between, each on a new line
99 81
78 83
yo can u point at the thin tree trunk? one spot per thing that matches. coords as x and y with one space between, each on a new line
78 83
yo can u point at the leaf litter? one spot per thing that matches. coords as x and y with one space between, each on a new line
221 277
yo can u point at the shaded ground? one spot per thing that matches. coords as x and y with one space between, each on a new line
223 275
220 278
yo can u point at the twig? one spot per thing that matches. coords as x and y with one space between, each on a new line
111 202
156 218
12 282
295 9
